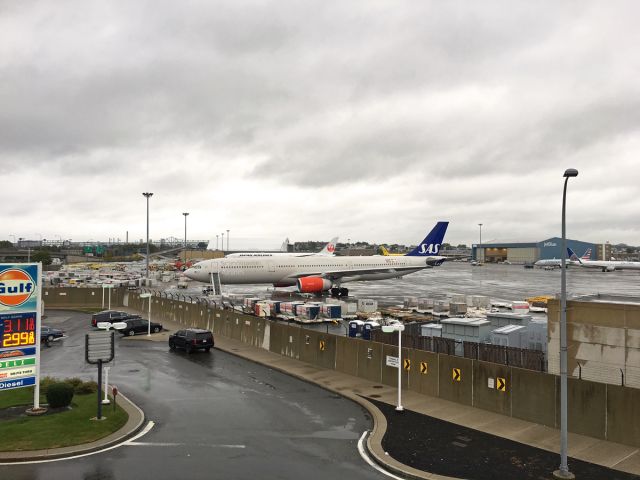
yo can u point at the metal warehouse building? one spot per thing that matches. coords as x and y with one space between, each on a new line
523 252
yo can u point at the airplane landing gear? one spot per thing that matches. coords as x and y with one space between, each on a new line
339 292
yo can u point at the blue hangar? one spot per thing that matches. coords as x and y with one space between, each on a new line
528 252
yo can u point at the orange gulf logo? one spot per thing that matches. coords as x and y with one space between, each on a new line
330 247
16 287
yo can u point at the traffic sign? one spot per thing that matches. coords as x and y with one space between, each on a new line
407 364
502 384
108 325
457 374
393 361
322 345
424 368
99 346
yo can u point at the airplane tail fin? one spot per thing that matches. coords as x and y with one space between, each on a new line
285 245
573 256
587 254
329 248
430 246
383 251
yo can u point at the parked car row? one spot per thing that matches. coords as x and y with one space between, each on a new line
188 339
134 323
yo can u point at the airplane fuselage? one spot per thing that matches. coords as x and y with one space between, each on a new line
285 270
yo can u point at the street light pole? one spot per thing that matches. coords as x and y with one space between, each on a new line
222 243
185 237
227 239
217 236
479 244
147 195
563 472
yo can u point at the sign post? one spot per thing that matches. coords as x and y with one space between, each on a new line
99 349
148 295
20 316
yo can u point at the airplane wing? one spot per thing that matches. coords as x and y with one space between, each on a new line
337 274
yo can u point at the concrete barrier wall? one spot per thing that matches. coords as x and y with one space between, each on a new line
492 387
459 388
58 298
423 376
533 396
623 415
595 409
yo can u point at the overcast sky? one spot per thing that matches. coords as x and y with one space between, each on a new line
369 120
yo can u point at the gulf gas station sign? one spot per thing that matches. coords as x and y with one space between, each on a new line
20 300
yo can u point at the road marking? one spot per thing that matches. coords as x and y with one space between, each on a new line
146 430
173 444
366 458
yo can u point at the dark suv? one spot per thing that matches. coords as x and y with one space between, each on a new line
139 325
191 339
111 316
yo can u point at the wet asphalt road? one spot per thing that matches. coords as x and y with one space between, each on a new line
216 416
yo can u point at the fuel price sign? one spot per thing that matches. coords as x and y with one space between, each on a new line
17 330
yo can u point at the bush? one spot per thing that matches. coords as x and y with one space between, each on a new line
75 382
86 387
45 382
59 395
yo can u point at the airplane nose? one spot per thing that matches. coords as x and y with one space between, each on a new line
189 273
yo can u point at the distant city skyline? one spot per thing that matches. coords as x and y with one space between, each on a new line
369 120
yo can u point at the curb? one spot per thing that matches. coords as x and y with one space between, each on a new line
135 414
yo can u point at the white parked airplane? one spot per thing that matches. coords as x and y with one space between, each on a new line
604 265
315 274
328 250
557 262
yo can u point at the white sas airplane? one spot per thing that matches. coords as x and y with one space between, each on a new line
316 274
328 250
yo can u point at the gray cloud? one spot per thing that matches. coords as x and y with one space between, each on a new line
475 104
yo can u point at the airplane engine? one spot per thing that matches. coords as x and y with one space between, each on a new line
608 269
313 284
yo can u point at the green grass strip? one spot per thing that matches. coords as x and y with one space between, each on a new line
71 427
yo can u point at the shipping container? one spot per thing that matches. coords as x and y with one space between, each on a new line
331 311
307 311
367 305
262 309
509 336
431 330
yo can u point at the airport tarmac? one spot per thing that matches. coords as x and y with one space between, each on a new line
500 282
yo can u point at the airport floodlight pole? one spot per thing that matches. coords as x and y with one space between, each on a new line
564 472
147 195
479 244
390 329
217 236
222 243
185 236
227 239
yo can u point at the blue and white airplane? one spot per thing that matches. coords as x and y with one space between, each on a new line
315 274
604 265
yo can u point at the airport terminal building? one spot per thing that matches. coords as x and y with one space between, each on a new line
528 252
